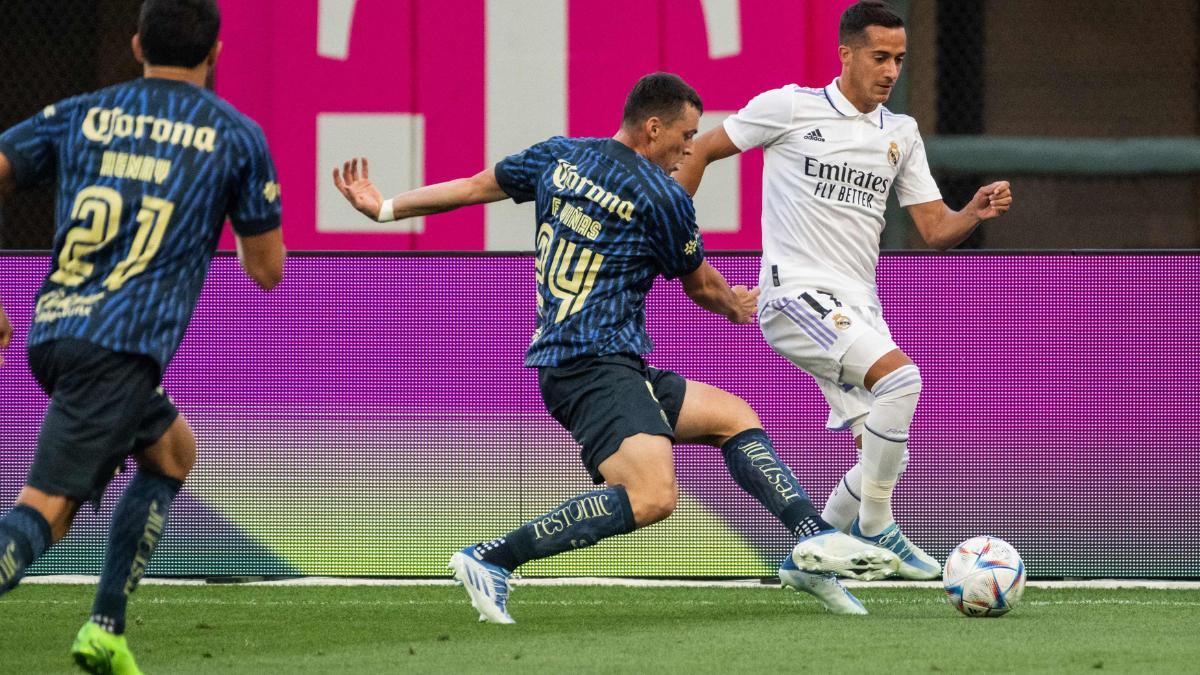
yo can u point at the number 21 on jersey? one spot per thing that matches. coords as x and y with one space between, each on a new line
567 270
101 207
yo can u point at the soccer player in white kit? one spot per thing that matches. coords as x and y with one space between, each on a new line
832 154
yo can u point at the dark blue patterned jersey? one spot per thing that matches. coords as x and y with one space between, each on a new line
608 222
147 172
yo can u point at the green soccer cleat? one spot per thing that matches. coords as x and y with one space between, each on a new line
99 651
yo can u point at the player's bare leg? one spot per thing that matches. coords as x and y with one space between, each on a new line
720 419
36 522
137 524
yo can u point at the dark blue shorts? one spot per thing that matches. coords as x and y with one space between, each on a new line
104 406
602 400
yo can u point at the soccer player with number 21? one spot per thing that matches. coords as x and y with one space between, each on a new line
147 171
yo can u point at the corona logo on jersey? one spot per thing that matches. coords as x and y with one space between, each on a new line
102 125
567 177
894 154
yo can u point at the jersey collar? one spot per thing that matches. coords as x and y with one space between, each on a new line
628 156
845 108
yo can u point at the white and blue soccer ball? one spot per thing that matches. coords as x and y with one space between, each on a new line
984 576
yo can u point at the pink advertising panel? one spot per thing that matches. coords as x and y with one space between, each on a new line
432 91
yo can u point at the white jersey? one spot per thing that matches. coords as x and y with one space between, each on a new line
826 178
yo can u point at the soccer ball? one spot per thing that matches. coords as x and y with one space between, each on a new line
984 576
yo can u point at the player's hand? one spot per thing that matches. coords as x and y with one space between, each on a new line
992 200
5 332
358 190
747 304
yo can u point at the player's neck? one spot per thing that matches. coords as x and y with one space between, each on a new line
864 107
625 138
197 76
630 141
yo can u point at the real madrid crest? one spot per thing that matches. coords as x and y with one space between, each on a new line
893 154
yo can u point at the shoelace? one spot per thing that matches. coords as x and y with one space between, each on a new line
889 540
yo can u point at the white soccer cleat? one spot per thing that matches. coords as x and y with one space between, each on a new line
845 556
487 585
915 564
823 586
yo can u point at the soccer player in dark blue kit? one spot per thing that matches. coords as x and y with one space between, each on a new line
147 172
610 220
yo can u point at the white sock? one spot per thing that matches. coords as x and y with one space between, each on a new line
842 505
884 444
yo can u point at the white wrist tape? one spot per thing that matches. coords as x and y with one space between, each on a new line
386 212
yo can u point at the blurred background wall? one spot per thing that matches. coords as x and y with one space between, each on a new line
1091 108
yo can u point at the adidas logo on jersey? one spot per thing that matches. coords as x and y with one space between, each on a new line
814 135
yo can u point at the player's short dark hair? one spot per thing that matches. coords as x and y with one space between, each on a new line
662 95
178 32
865 13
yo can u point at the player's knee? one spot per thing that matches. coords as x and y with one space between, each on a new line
737 417
896 396
174 454
185 455
652 503
181 450
902 382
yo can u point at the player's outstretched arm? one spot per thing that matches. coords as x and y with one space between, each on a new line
5 330
262 257
944 229
362 194
708 289
709 147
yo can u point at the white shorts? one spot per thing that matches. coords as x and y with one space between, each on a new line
813 331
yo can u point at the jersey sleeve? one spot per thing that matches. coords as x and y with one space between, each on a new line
518 174
31 147
674 237
763 121
914 183
256 206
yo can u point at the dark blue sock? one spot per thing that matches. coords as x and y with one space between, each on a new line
137 524
578 522
752 462
24 536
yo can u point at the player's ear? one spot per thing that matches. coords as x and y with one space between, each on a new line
136 44
652 126
213 54
845 53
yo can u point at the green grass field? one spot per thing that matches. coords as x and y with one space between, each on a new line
566 629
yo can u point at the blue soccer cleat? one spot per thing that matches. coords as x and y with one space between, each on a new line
824 587
487 585
833 552
915 564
